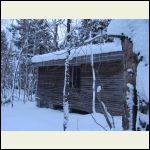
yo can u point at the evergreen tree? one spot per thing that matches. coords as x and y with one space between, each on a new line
91 27
84 30
31 36
36 33
43 36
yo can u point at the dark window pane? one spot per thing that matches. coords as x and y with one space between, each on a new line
75 77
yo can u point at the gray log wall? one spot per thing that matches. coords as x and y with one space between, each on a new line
108 74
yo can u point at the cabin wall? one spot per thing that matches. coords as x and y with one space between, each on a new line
110 77
50 86
108 74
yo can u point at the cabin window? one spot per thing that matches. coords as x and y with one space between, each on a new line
75 77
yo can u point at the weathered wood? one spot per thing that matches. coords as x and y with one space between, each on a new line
129 62
109 75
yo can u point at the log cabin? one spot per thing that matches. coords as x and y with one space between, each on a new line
111 63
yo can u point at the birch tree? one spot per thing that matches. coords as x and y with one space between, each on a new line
94 79
66 80
6 67
30 36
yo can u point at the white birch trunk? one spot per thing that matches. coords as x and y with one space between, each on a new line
66 81
14 78
94 81
65 94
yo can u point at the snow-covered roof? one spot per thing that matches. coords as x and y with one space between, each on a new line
137 30
81 51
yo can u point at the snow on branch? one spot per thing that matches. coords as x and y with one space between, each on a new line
103 36
108 117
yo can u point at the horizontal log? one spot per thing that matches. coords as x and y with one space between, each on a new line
108 75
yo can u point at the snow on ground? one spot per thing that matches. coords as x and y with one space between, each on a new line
28 117
81 51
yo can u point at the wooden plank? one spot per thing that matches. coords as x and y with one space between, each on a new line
110 76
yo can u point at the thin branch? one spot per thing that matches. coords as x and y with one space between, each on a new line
98 123
102 36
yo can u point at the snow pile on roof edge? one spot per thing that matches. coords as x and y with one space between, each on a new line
81 51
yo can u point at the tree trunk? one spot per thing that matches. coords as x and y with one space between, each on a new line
130 95
94 80
105 112
55 35
15 73
66 80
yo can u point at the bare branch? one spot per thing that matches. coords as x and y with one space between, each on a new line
98 123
